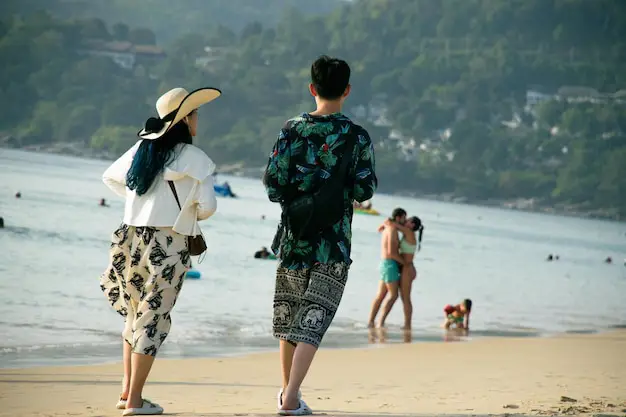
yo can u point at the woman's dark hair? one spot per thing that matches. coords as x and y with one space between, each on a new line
417 226
152 157
468 304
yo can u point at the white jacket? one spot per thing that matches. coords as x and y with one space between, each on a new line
191 172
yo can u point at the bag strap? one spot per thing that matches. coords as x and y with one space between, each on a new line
173 187
346 158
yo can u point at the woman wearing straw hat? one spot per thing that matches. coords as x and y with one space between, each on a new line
168 186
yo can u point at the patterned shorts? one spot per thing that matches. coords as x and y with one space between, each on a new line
145 275
306 300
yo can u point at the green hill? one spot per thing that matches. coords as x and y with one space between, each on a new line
516 100
171 19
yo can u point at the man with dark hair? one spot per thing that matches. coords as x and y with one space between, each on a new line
398 215
330 77
313 269
390 265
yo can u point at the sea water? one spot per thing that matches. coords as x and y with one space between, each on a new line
55 246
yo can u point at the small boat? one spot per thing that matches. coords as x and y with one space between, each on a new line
223 190
369 212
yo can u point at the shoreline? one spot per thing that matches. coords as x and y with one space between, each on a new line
563 375
376 339
237 169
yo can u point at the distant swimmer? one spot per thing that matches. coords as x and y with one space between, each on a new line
1 223
550 258
262 216
608 260
103 203
228 189
262 254
18 195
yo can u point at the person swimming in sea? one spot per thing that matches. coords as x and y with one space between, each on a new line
262 254
458 315
103 203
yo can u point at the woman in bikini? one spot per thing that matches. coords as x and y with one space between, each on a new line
409 244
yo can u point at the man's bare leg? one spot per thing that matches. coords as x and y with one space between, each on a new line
392 289
286 360
302 358
378 300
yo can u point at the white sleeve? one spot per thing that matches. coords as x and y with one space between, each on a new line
205 198
115 175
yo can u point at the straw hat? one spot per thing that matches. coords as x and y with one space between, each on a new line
173 106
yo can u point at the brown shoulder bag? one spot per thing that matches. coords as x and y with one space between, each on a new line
196 244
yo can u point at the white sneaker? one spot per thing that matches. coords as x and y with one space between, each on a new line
148 408
121 404
302 410
279 398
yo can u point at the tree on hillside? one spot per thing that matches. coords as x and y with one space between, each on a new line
447 79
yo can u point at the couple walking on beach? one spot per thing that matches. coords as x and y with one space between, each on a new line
320 163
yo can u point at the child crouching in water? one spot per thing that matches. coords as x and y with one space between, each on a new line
458 315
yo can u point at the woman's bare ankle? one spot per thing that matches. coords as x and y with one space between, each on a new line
132 402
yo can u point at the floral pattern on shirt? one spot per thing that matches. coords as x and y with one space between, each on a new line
309 148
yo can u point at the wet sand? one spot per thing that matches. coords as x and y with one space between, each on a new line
490 376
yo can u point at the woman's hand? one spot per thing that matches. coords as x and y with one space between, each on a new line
381 228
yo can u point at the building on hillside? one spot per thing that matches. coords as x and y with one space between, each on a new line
573 94
534 97
211 56
125 54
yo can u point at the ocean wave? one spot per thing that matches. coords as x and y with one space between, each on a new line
55 346
39 234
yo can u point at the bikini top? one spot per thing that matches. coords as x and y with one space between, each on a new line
406 247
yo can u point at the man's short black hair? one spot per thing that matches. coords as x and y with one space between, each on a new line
468 304
330 77
398 212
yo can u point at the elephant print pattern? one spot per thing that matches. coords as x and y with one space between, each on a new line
143 280
306 300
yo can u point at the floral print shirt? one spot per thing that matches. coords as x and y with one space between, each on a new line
304 156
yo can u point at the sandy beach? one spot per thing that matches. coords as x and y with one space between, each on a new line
490 376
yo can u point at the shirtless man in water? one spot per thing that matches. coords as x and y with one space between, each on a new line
390 267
